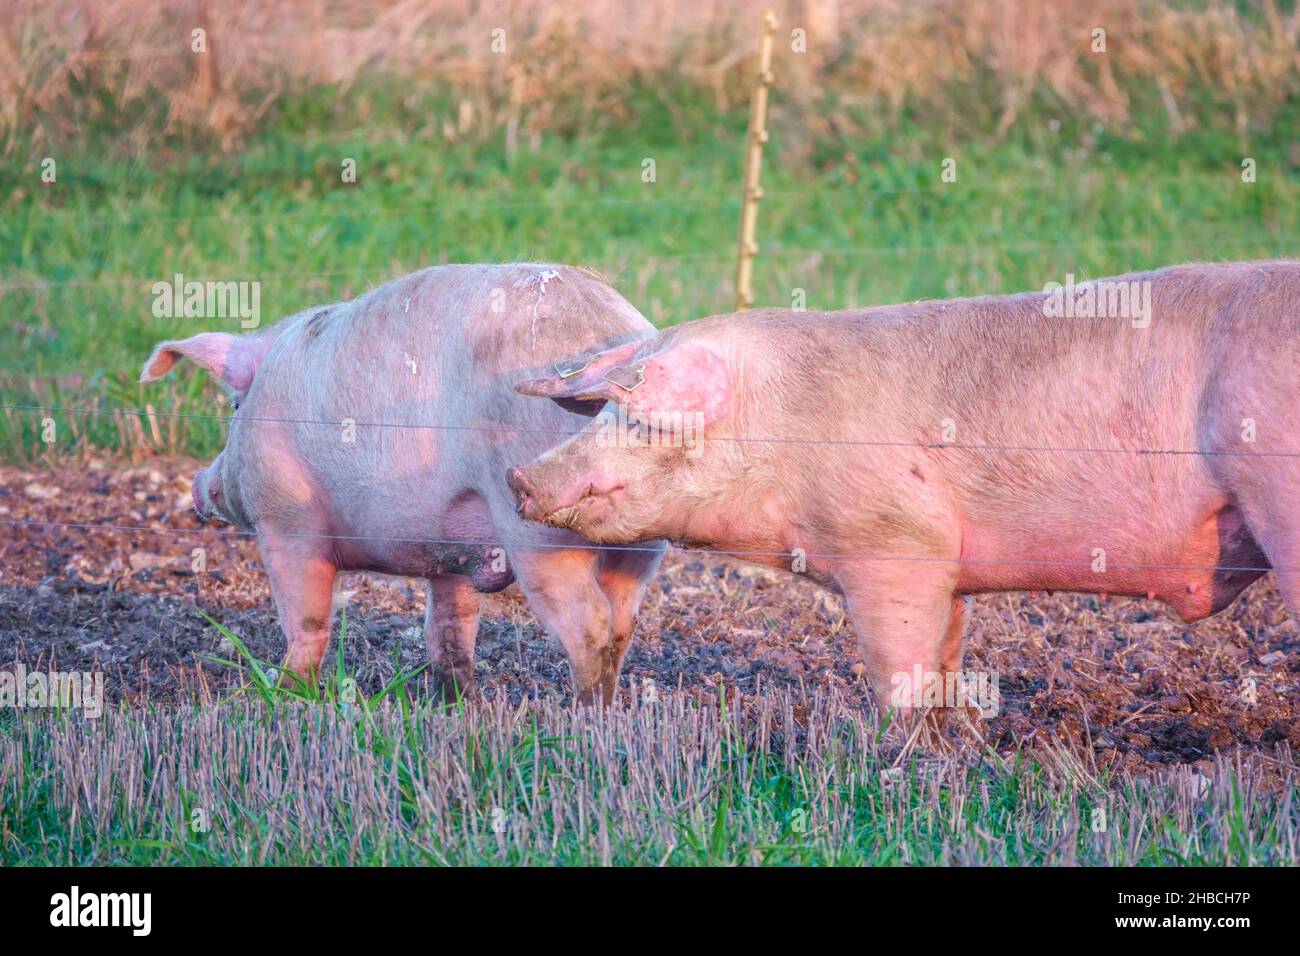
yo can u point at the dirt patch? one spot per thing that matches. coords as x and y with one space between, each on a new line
1123 676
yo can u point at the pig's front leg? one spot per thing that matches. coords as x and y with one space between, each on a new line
623 576
302 583
562 590
909 625
950 654
450 631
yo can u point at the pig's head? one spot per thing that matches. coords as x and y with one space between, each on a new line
639 467
233 360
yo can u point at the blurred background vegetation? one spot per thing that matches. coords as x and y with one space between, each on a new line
227 164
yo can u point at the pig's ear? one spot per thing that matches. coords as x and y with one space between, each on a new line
579 384
687 378
231 358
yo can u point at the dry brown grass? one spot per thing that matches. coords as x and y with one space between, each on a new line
566 64
763 780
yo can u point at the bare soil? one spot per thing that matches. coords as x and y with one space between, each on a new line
1124 677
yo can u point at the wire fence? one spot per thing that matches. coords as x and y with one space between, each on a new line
781 555
1215 238
869 193
505 429
533 544
866 191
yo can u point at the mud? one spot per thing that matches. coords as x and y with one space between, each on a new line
1123 677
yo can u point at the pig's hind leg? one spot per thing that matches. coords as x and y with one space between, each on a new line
1269 501
451 622
1263 478
302 571
1259 386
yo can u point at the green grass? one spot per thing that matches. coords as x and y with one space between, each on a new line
279 773
288 781
850 223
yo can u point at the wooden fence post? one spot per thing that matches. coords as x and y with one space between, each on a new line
753 166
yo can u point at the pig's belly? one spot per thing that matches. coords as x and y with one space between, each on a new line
1198 572
458 538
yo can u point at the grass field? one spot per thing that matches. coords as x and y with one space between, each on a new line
853 215
868 224
764 781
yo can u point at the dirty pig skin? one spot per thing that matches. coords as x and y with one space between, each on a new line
915 454
423 371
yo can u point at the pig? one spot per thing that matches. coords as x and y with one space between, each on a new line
910 456
373 435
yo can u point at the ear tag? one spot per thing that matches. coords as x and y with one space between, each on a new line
570 369
627 378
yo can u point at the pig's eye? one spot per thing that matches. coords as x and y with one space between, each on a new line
235 405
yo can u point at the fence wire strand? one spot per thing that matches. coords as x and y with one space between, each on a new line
529 545
740 439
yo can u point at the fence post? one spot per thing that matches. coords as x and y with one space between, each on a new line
753 166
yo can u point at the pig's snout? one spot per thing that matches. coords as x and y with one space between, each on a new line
198 501
575 503
205 492
526 504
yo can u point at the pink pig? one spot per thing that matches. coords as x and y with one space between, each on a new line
910 455
373 435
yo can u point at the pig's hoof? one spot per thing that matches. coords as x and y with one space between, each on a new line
938 730
450 688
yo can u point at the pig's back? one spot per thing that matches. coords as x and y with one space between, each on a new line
425 366
1051 422
1005 371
